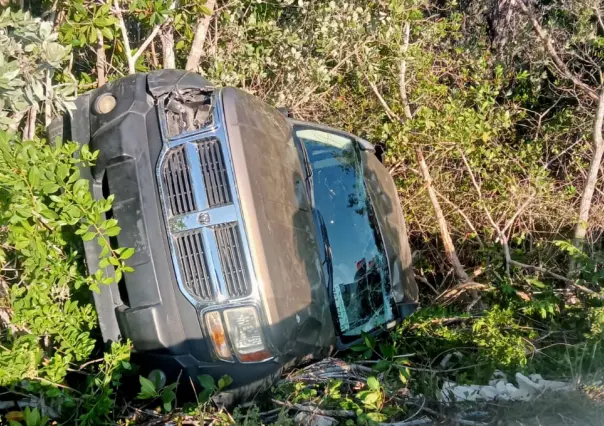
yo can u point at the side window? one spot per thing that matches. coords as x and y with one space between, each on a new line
360 278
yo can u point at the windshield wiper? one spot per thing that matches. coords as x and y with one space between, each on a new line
309 173
326 248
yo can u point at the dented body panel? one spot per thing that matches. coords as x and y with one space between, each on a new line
213 190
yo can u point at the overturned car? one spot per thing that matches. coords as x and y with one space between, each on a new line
260 241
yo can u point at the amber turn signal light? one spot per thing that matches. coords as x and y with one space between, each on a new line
218 336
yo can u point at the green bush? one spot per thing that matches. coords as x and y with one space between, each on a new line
47 316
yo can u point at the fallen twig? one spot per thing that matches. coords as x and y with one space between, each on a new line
315 410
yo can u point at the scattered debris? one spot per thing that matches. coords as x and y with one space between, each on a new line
187 110
309 419
499 388
328 369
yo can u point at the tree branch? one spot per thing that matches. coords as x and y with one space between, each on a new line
167 47
592 177
551 50
391 114
145 44
200 37
461 213
101 59
132 58
126 40
316 410
449 247
500 233
403 72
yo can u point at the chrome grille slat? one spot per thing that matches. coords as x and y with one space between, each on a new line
193 265
214 173
178 182
231 259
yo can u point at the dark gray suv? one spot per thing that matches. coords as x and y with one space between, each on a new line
260 241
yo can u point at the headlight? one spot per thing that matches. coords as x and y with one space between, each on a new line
245 334
217 335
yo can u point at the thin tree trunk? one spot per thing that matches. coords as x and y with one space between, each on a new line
403 73
449 247
30 125
200 37
167 47
592 177
48 102
101 59
154 59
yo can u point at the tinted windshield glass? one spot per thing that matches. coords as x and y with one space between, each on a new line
360 273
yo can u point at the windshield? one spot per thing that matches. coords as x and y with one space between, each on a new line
360 281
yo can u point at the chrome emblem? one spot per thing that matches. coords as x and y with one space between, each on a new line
203 218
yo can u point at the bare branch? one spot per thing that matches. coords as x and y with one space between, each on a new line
592 177
48 101
523 207
145 44
423 280
500 233
125 39
166 36
449 247
553 53
599 17
391 114
101 59
402 74
461 213
316 410
554 275
200 37
167 47
30 124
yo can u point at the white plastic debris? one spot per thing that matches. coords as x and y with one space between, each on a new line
499 388
550 385
310 419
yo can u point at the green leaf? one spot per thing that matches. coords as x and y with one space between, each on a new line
358 348
403 376
377 417
382 365
148 390
33 176
107 33
224 382
127 253
204 395
112 232
387 350
88 236
373 383
50 188
535 282
167 397
207 382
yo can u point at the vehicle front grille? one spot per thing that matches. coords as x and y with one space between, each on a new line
231 259
177 181
193 265
214 173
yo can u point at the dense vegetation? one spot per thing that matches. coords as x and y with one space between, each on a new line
492 115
